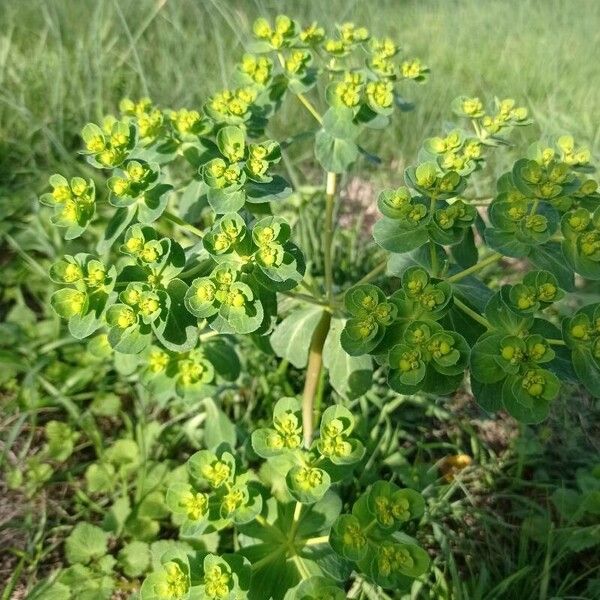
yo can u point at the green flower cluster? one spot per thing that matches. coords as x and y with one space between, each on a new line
74 204
356 96
149 119
582 335
216 496
163 128
512 365
90 290
435 210
109 145
493 124
251 262
543 196
203 576
455 151
226 300
241 171
367 536
421 354
264 249
184 373
311 470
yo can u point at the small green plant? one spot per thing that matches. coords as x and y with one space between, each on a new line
193 250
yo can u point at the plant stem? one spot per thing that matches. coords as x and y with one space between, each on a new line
373 272
310 108
295 522
307 103
534 207
492 258
302 570
433 258
469 311
313 371
553 342
183 224
192 271
432 250
328 235
315 354
34 264
316 540
305 298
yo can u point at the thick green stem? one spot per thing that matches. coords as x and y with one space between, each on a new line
315 541
315 354
328 235
433 258
476 267
313 371
432 249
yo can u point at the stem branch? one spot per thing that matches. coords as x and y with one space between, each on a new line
469 311
313 372
492 258
373 273
183 224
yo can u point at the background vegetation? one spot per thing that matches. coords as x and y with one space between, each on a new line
496 530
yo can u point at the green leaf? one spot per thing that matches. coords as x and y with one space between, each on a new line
222 201
221 430
118 223
100 477
153 203
291 338
506 243
587 369
273 191
485 367
134 558
550 257
487 395
499 313
117 515
334 154
223 357
85 543
568 503
315 588
61 440
465 252
338 122
124 453
350 376
50 591
391 235
179 329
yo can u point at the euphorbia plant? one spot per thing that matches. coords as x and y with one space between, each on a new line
177 301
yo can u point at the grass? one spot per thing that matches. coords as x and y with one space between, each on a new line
66 62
